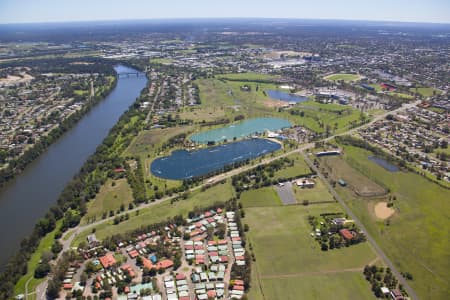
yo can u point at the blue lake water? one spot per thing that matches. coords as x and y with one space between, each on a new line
383 163
241 130
283 96
182 164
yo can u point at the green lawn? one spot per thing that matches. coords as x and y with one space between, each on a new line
338 168
261 197
109 198
162 211
318 193
44 245
289 261
249 76
425 91
416 239
343 76
299 168
350 285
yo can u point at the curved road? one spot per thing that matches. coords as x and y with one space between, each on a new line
40 289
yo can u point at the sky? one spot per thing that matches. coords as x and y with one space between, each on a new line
31 11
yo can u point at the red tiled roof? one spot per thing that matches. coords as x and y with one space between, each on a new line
147 263
238 282
180 276
238 287
67 286
346 234
165 263
133 253
107 261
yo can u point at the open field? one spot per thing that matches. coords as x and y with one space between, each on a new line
249 76
162 211
148 139
318 193
338 168
109 198
299 168
289 261
416 237
343 76
425 91
344 285
261 197
44 245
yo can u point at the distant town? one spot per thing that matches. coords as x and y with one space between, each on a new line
258 161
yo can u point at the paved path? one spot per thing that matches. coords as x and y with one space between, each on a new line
285 193
370 239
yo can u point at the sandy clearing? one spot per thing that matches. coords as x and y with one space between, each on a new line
382 211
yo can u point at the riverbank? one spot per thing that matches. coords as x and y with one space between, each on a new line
47 183
19 164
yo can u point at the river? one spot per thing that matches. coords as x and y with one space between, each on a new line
27 198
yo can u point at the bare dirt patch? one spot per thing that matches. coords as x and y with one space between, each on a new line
382 211
274 103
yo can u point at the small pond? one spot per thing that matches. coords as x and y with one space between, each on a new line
287 97
240 130
182 164
383 163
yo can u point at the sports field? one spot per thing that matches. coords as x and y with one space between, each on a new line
416 237
289 261
343 77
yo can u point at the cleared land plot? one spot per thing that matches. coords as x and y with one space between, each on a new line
285 252
286 194
299 168
338 168
109 198
249 76
260 197
147 139
342 285
161 211
416 239
319 193
425 91
343 76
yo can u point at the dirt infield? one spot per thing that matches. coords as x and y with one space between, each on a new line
382 211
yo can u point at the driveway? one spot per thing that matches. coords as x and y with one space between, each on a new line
286 194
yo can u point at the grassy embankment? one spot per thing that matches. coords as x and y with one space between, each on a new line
416 236
161 211
289 261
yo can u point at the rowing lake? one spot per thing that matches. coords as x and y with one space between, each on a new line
182 164
287 97
240 130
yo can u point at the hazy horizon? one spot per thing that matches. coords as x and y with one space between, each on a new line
53 11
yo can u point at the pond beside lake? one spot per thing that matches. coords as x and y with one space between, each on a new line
240 130
287 97
383 163
182 164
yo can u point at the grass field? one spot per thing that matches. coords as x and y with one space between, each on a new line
343 76
109 198
318 193
249 76
161 211
299 168
361 184
416 239
261 197
44 245
425 91
289 261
